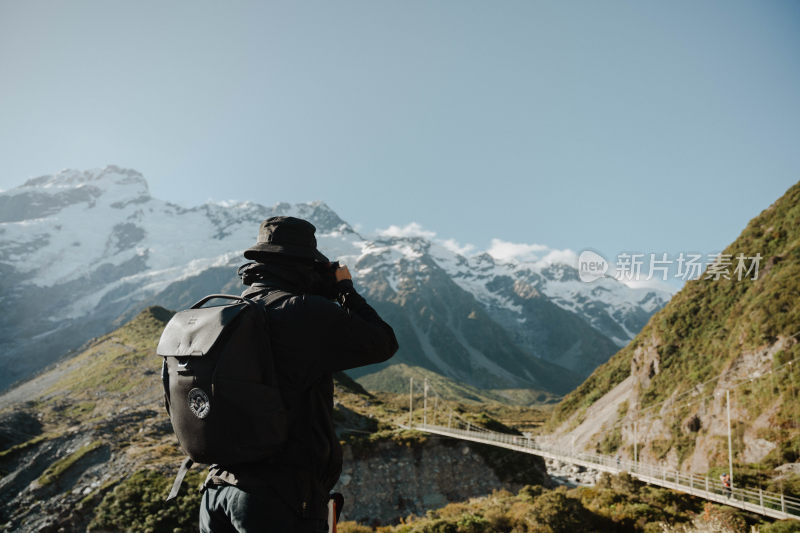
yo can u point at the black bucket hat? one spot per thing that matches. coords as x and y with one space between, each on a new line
288 236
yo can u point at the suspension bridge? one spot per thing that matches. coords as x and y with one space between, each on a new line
755 500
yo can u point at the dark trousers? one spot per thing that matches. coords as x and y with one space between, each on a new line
228 509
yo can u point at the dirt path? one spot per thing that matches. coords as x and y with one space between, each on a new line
33 388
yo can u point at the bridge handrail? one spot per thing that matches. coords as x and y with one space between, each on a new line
695 483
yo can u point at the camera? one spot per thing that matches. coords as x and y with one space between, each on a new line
325 282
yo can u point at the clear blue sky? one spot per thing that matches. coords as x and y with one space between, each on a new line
650 126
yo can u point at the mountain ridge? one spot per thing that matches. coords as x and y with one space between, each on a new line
98 248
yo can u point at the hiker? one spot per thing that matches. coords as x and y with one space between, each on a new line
311 336
726 483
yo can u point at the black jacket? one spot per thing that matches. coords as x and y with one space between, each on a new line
312 337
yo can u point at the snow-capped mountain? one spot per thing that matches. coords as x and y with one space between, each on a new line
82 250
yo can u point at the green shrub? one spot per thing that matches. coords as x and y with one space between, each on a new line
788 485
137 505
560 513
782 526
611 442
439 525
352 527
472 523
530 492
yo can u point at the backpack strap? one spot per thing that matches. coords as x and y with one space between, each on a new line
272 295
215 296
269 300
176 485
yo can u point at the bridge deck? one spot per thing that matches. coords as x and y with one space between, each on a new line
757 501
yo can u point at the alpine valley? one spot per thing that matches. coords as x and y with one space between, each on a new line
91 262
83 252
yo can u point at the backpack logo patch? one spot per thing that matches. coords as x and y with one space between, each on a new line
199 403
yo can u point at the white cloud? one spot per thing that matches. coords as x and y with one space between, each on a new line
412 229
501 250
507 251
415 229
650 284
451 244
567 257
227 203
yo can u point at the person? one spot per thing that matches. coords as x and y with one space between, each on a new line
726 484
312 337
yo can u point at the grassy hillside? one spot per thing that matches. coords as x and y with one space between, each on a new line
395 378
714 333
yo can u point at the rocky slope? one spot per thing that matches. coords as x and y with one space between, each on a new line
81 252
716 337
390 480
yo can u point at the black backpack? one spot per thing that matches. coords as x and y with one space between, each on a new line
220 385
